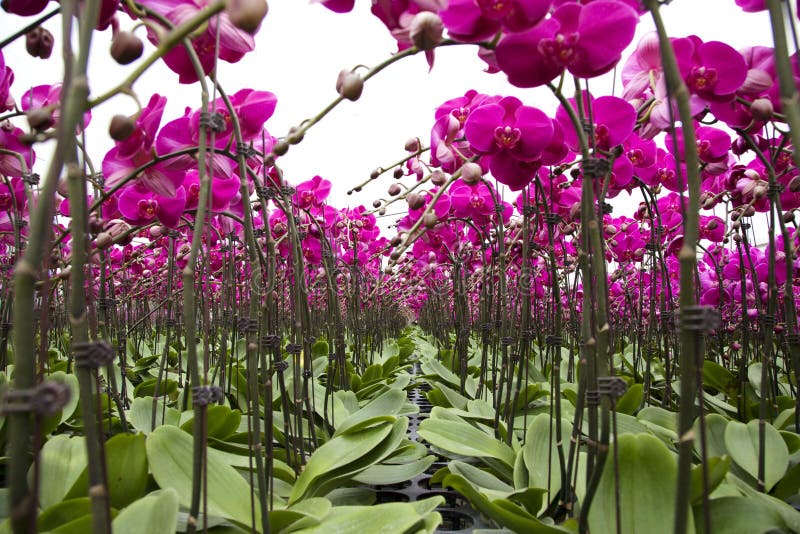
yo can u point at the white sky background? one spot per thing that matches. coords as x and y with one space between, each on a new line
299 52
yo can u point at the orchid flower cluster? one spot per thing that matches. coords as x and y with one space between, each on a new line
512 213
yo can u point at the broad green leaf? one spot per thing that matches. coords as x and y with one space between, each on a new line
305 514
221 421
141 413
62 460
717 469
72 383
381 474
648 474
717 377
156 513
512 516
319 349
715 435
631 400
378 519
340 476
464 439
789 515
126 471
740 515
170 453
540 453
382 409
789 484
64 512
742 443
337 452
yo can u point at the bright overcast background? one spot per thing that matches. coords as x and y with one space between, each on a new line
300 50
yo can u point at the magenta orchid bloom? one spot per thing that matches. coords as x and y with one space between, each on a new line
9 140
337 6
587 40
24 8
13 199
141 206
512 137
477 20
6 79
137 150
613 117
223 190
49 96
447 148
474 202
312 193
233 42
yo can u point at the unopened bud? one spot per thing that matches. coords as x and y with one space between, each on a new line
415 201
121 127
426 30
788 217
394 190
39 42
126 48
39 119
376 204
398 173
349 85
471 173
430 220
280 147
412 145
247 14
794 184
762 109
103 240
438 178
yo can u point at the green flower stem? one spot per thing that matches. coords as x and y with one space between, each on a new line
28 269
256 283
783 66
691 343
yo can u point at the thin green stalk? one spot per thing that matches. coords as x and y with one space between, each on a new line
691 340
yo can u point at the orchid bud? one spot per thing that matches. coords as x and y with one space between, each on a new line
794 184
426 30
394 190
395 241
412 145
39 118
749 211
398 173
430 220
762 109
103 240
376 204
39 42
382 212
713 224
739 146
415 201
247 14
280 147
471 173
759 191
374 174
126 48
121 127
349 85
788 217
438 178
295 136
